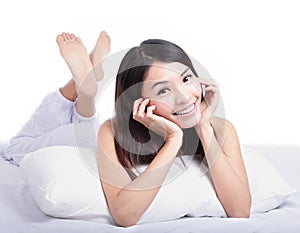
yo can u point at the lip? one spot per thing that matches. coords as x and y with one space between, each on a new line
192 111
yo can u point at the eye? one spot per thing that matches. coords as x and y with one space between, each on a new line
163 91
187 78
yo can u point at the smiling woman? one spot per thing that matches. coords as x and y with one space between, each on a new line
171 97
161 113
164 109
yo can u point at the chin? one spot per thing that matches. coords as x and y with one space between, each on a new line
188 125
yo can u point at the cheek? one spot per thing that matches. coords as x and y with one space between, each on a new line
162 109
196 89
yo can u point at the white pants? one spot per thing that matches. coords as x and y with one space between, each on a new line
55 122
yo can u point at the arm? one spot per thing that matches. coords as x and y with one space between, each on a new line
128 200
222 151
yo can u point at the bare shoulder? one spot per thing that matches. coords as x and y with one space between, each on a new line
105 129
219 123
222 121
106 143
224 130
111 171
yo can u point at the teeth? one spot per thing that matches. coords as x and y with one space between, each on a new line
186 111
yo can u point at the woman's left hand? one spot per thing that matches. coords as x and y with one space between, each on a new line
209 104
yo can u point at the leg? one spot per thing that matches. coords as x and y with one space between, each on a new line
76 57
54 111
57 108
69 91
102 48
55 122
51 124
81 135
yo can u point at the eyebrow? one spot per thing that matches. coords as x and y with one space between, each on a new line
187 69
164 82
158 83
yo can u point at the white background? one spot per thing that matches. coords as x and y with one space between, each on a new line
252 48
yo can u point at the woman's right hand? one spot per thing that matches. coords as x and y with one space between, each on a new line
144 114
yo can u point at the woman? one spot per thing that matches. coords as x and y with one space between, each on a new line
73 105
161 113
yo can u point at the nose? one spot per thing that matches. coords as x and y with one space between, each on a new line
182 96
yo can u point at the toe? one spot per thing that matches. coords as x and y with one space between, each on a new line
78 40
68 35
108 38
103 34
105 38
65 36
60 39
73 37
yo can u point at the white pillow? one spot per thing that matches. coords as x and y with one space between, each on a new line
268 188
64 182
185 192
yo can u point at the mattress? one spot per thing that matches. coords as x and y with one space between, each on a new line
20 213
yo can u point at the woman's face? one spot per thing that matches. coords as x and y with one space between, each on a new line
175 91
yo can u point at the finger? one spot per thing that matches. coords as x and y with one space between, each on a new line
207 83
142 107
136 105
211 89
150 110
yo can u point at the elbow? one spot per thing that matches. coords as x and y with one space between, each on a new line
126 222
243 212
125 218
240 214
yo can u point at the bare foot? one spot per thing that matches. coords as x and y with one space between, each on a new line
100 51
75 55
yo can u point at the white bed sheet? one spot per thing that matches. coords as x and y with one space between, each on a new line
20 213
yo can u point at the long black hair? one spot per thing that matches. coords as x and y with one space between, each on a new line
135 144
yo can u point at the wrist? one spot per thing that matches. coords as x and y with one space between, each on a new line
175 138
204 129
206 122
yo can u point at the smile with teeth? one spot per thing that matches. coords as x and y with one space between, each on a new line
186 111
